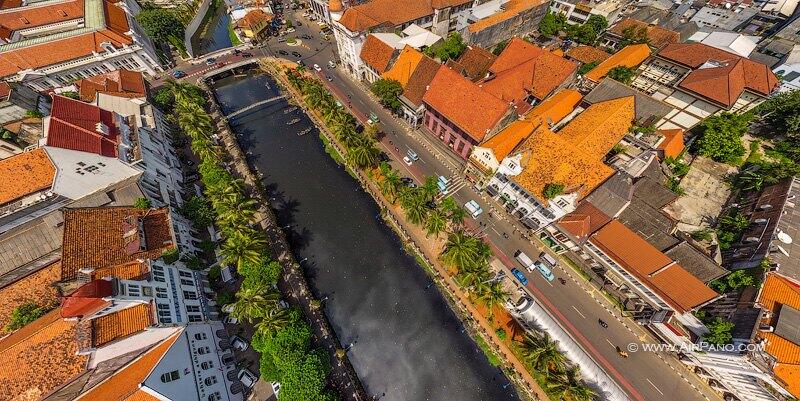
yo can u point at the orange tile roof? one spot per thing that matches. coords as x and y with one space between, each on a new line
776 292
672 145
724 83
25 174
125 271
120 83
376 54
125 382
574 156
35 16
656 35
38 287
473 63
254 18
587 54
420 79
631 56
790 376
551 110
121 324
406 63
391 13
93 237
458 99
39 358
583 221
510 10
657 271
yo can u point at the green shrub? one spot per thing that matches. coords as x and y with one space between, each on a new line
24 314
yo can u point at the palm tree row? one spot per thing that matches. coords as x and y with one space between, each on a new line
262 305
562 382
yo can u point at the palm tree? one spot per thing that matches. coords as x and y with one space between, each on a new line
492 295
205 149
429 189
391 185
567 385
435 223
455 213
220 192
254 302
472 277
541 353
414 206
273 320
460 250
364 154
194 120
243 247
184 92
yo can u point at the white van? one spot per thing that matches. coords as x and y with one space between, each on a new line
524 260
546 258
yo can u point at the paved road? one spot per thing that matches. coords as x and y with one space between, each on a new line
576 305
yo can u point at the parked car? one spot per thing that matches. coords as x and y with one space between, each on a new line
328 77
546 258
306 36
297 54
412 154
247 378
473 208
383 157
283 52
523 304
520 276
317 67
178 74
237 51
544 271
239 343
524 260
290 30
407 161
406 180
210 61
247 55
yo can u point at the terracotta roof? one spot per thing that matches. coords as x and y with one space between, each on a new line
719 75
35 16
391 13
124 383
335 6
376 54
657 271
458 99
631 56
39 358
524 69
108 236
5 90
587 54
74 125
777 292
551 110
120 83
585 220
24 174
121 324
254 18
473 63
656 35
420 79
574 156
404 66
38 287
87 299
672 145
6 4
125 271
511 9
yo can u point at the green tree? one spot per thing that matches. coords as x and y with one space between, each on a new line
493 295
597 22
24 314
435 223
455 213
464 251
252 303
552 189
622 74
198 210
413 203
448 49
159 24
390 183
498 48
586 67
721 137
142 203
262 274
243 248
719 332
551 24
541 353
364 153
567 385
633 35
170 256
732 282
273 320
34 114
388 91
71 95
164 99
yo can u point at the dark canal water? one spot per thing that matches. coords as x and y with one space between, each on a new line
216 36
408 343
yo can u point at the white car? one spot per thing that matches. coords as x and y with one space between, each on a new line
247 378
230 320
239 344
276 387
407 161
317 67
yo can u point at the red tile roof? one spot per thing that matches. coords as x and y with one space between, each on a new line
459 100
718 75
630 56
377 54
121 324
106 236
87 299
511 9
657 36
39 287
255 18
584 221
391 13
674 285
34 16
587 54
120 83
672 145
74 125
420 79
473 63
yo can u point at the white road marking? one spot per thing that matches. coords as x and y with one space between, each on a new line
654 386
610 343
579 312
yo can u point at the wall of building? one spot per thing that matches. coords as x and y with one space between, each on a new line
457 140
521 24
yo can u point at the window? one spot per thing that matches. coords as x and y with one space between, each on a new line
200 336
192 308
203 350
207 365
185 274
170 376
210 380
161 292
215 397
165 319
147 291
187 282
195 318
190 295
562 203
158 276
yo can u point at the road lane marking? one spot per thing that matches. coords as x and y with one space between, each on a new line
654 386
612 344
579 312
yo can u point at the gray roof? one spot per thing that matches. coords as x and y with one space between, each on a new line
614 195
788 325
653 193
648 110
649 223
696 262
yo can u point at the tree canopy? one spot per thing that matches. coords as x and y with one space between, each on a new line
551 190
450 48
388 91
721 137
719 332
551 24
588 32
159 24
621 74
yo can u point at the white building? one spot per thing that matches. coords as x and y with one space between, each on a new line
731 42
789 71
50 44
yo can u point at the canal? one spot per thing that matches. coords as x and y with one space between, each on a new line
407 343
215 34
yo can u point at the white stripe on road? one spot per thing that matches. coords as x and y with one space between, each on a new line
612 344
579 312
654 386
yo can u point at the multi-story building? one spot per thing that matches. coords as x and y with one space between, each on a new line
700 81
414 71
16 101
727 19
578 12
548 174
789 70
629 29
50 44
497 20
